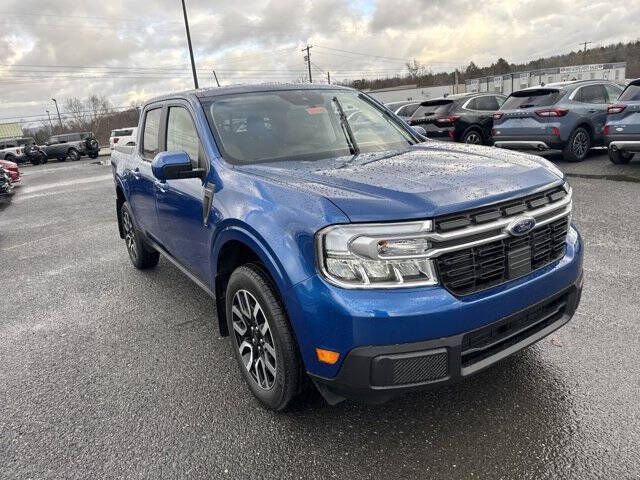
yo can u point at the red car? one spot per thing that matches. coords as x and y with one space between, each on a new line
12 170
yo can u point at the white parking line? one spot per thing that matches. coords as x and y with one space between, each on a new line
48 186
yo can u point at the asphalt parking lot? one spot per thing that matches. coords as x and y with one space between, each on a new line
110 372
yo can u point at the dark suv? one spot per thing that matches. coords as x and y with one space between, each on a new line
465 118
72 145
567 116
622 131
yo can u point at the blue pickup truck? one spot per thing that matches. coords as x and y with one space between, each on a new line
343 247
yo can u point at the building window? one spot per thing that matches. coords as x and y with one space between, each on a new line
617 74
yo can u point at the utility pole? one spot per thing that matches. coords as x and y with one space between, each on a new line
50 122
216 77
59 118
193 63
308 59
456 81
329 78
585 46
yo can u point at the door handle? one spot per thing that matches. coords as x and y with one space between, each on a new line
136 173
593 110
161 186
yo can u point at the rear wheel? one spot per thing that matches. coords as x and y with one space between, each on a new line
261 337
473 137
578 146
142 256
36 160
73 155
620 158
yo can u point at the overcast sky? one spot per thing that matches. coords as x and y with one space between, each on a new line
132 50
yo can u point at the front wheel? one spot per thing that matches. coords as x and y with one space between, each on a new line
578 145
261 338
141 255
620 158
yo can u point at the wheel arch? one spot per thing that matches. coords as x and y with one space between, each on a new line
476 128
236 246
120 199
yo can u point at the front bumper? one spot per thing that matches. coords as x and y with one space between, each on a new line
375 374
364 324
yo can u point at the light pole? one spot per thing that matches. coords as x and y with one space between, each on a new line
59 118
50 122
193 63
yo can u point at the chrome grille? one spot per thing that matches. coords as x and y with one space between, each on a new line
473 250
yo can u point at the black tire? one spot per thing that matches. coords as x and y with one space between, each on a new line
473 137
74 155
578 145
282 373
43 158
36 160
620 158
142 255
62 159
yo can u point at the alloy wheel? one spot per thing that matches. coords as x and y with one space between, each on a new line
254 339
473 138
129 235
580 144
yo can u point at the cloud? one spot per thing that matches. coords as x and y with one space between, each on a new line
134 50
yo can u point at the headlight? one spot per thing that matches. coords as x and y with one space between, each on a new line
376 255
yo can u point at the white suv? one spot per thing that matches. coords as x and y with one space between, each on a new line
123 137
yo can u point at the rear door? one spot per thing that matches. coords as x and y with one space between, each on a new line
183 204
139 177
594 102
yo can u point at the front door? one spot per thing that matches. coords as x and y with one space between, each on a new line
183 204
140 177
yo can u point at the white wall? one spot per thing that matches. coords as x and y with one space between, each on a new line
413 94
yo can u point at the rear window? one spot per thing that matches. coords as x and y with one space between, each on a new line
122 133
439 107
631 93
531 98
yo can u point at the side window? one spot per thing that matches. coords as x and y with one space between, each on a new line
182 134
411 109
150 147
473 104
500 101
488 104
613 92
404 111
591 94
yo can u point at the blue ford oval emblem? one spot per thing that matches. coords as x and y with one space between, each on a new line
521 226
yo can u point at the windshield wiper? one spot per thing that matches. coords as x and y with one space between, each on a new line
346 128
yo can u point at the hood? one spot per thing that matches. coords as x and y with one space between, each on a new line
426 180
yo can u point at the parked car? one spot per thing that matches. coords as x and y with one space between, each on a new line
404 110
6 185
356 255
622 130
21 150
567 116
123 137
465 117
72 145
12 169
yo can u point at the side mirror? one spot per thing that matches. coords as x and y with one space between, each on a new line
174 166
419 130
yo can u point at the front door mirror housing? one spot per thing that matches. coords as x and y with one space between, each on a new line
174 166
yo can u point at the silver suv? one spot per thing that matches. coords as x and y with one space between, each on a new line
567 116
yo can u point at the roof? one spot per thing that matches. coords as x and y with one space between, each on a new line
568 83
243 88
10 130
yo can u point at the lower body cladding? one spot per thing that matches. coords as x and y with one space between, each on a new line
403 341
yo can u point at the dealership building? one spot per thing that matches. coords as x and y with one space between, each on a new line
510 82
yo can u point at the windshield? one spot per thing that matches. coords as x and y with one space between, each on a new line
301 125
631 93
531 98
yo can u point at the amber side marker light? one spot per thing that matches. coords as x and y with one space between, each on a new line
327 356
